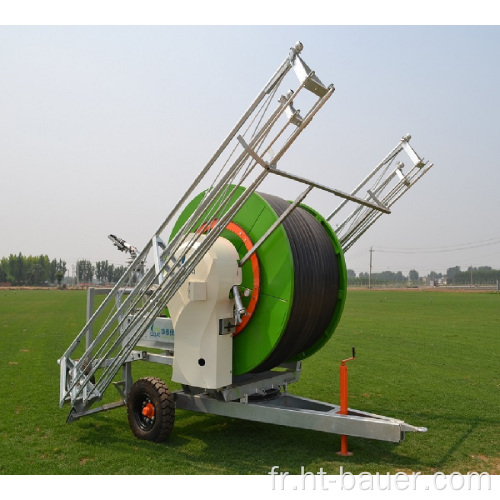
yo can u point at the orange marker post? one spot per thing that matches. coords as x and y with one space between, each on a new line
344 397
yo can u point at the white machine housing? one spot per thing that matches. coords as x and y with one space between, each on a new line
202 316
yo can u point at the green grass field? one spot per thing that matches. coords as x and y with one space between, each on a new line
429 358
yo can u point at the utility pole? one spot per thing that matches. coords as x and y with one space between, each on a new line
370 274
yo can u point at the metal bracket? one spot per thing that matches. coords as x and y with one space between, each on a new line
415 158
158 246
400 174
305 74
239 309
226 326
292 113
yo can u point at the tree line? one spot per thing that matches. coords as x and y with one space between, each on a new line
39 270
383 278
102 271
483 275
31 270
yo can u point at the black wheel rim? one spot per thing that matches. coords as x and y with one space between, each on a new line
143 417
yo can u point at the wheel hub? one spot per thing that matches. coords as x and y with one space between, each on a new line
149 410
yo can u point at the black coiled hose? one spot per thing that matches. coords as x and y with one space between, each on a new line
316 283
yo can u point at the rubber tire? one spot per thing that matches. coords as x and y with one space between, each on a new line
155 391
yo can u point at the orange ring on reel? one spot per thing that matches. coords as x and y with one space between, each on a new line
254 296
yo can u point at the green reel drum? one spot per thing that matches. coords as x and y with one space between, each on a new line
293 287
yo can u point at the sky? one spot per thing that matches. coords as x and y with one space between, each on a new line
102 127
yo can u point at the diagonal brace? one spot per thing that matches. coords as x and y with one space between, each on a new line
336 192
263 163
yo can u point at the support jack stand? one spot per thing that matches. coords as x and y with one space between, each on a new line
344 396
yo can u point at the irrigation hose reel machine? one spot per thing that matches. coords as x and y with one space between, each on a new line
242 286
